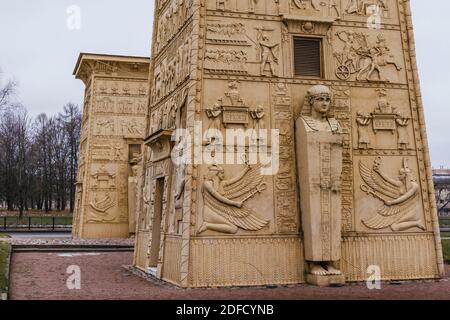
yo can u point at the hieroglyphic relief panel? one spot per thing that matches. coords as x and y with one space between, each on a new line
232 105
108 151
164 116
120 87
173 67
108 105
240 207
103 199
115 122
388 195
242 47
129 127
171 19
382 121
370 11
286 208
331 9
366 55
343 107
243 6
244 191
245 48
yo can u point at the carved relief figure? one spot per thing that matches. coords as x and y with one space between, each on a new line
172 117
375 58
363 122
214 127
268 52
224 200
258 116
231 106
384 118
251 5
179 186
347 58
334 8
132 193
103 204
319 156
226 60
118 155
219 30
400 208
402 131
361 7
105 127
103 179
352 7
362 58
222 5
301 4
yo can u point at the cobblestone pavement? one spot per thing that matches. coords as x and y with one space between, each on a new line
103 276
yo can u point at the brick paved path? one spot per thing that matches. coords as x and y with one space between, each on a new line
43 276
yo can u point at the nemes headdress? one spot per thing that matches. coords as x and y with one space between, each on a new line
318 90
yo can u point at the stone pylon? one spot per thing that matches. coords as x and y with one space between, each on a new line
113 130
224 65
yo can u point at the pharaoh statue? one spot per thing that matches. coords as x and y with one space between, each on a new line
319 153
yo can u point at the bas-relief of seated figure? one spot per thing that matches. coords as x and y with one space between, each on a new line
319 156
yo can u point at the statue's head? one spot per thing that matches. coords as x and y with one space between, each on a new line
319 99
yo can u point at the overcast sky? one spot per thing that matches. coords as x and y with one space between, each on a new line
39 51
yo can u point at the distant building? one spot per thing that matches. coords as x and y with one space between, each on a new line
441 179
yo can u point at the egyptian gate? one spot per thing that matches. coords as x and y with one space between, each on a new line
248 64
113 129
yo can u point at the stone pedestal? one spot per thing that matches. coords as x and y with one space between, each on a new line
325 281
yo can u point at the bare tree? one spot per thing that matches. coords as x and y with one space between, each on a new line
14 146
38 159
6 93
71 121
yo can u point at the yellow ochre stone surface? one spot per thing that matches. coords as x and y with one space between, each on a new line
353 187
113 130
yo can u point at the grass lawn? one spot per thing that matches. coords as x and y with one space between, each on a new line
4 252
2 235
446 249
445 234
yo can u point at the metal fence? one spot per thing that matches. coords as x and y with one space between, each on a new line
35 223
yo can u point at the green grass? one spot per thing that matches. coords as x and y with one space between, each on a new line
2 235
446 249
4 252
445 234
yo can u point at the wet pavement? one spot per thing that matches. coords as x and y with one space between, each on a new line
43 275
